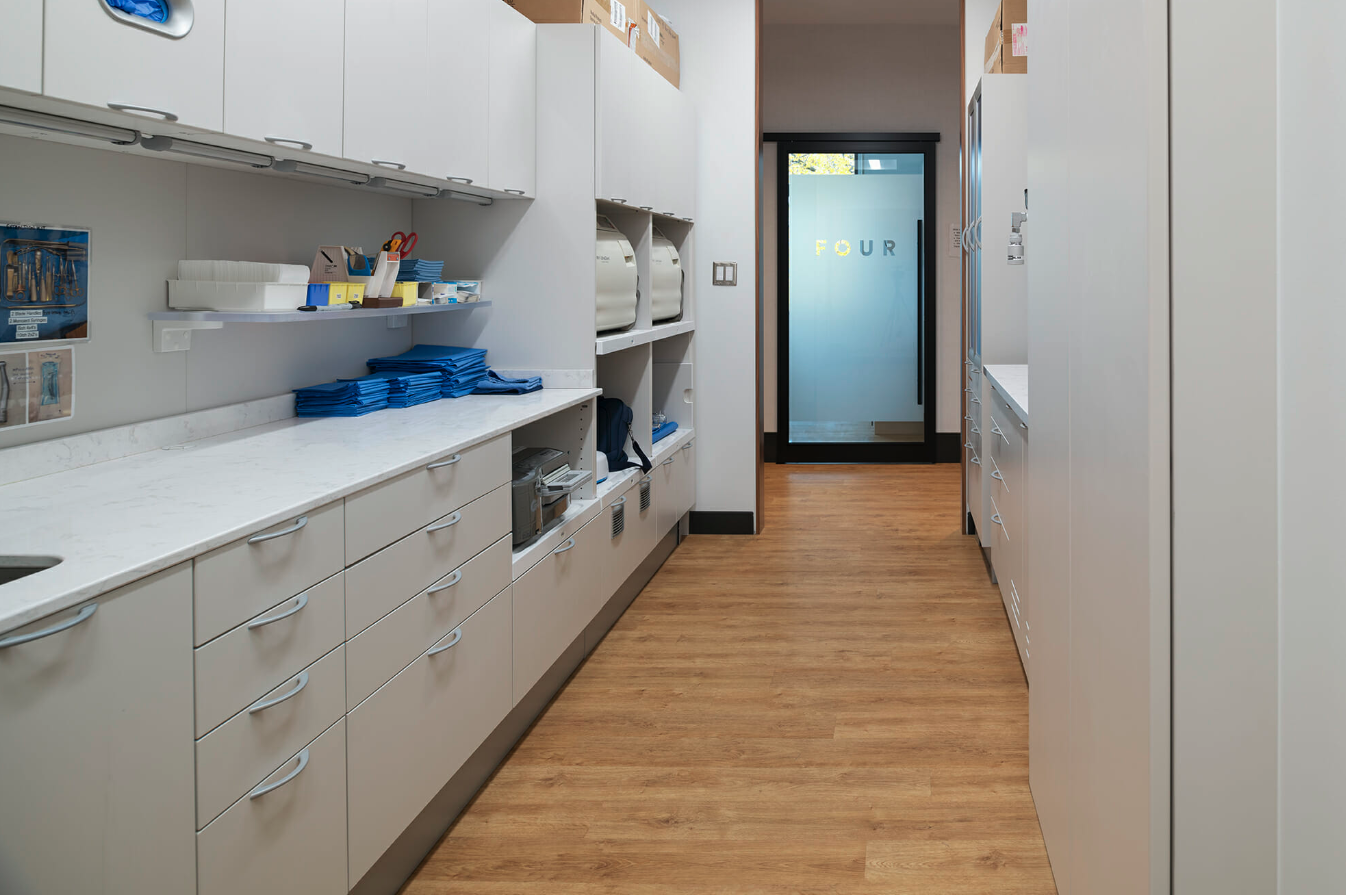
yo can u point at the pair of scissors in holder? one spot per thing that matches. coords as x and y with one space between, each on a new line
402 242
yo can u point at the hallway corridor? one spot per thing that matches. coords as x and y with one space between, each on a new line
835 706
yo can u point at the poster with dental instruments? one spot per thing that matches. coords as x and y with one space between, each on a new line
44 283
36 386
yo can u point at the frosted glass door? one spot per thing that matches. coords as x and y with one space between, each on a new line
856 315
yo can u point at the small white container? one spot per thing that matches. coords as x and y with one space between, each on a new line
205 295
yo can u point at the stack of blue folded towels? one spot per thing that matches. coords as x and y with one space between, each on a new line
420 271
495 384
459 369
355 397
410 389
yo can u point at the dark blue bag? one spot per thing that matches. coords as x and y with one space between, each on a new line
614 425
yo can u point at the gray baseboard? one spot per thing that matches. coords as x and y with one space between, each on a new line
400 861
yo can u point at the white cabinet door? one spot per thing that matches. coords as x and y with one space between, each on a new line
668 495
97 783
387 66
21 45
90 56
553 603
683 165
283 71
409 739
513 101
460 78
618 124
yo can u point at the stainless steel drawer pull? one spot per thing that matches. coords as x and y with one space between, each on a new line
300 683
621 501
466 181
516 192
974 461
997 520
298 525
453 520
995 427
969 446
285 141
996 475
647 480
452 582
132 107
669 214
272 787
455 459
618 201
968 419
564 548
457 636
668 462
385 163
261 622
976 400
84 615
687 446
1023 425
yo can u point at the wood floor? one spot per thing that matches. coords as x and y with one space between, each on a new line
833 707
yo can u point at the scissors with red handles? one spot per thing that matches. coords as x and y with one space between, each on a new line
402 242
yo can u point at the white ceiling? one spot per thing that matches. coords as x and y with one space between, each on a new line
860 12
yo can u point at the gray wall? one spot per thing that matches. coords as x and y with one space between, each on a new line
870 78
146 214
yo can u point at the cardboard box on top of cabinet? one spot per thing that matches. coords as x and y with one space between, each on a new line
615 15
657 43
1007 41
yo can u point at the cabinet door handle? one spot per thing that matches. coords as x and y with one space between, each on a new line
453 581
457 635
300 683
299 603
668 462
1023 425
995 427
974 461
385 163
84 615
969 446
997 520
975 399
687 446
618 201
132 107
456 458
621 501
647 480
466 181
996 475
647 208
285 141
453 520
272 787
515 192
968 419
564 548
298 526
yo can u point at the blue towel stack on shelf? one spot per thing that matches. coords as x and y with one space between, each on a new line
460 369
495 384
410 389
663 431
354 397
419 271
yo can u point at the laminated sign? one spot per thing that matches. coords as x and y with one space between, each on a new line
44 275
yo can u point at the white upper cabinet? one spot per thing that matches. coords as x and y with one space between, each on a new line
21 45
97 780
283 71
513 101
618 126
460 44
172 72
387 69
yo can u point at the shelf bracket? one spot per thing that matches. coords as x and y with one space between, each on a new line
176 335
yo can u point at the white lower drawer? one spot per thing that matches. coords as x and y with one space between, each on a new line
627 550
234 756
394 642
289 840
395 574
234 670
408 739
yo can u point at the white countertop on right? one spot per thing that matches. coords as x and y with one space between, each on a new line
1011 380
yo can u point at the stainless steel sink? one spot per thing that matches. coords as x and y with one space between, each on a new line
12 568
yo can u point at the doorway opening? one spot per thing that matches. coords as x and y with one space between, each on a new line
856 331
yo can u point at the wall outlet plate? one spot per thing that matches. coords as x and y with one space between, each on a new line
726 273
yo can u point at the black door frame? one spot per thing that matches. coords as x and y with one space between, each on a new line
895 452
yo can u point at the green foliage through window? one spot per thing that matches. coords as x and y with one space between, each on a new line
822 163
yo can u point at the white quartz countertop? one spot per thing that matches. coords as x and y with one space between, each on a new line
1011 380
116 522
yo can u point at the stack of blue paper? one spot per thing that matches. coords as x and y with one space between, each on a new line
460 369
495 384
354 397
419 271
410 389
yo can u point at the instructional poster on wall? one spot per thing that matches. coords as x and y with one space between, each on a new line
36 387
44 283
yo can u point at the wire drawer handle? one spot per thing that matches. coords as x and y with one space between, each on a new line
453 520
457 635
456 458
272 787
564 548
452 582
300 683
300 602
298 526
84 615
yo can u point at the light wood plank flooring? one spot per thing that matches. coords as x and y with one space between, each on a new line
833 707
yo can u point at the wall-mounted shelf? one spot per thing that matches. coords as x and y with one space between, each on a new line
173 329
614 342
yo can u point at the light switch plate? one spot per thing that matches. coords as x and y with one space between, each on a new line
726 273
